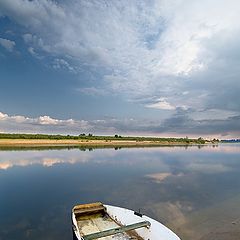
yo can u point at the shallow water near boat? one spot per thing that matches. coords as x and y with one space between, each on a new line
195 191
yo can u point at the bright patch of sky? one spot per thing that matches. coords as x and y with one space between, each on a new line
159 67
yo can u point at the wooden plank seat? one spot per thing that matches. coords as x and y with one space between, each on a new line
86 209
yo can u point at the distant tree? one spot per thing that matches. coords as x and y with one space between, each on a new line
201 140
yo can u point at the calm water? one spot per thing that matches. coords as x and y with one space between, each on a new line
194 191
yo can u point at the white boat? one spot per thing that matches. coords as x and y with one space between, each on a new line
105 222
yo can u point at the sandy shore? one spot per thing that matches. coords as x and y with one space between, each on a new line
65 142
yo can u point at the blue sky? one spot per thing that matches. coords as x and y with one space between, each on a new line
164 68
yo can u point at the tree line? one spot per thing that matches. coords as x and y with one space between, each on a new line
90 136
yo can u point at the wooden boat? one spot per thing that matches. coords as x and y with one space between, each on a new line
105 222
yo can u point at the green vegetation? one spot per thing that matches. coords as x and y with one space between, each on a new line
89 136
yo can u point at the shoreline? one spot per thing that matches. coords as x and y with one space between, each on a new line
90 143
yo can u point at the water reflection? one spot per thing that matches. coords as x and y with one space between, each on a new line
190 190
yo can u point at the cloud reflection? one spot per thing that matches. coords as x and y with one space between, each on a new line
45 161
162 157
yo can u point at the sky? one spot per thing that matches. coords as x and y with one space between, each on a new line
167 68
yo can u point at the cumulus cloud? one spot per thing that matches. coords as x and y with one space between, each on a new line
161 104
46 120
16 118
7 44
18 123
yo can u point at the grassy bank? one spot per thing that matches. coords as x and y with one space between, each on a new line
91 141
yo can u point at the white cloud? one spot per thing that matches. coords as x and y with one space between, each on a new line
7 44
19 119
16 118
46 120
3 116
18 123
42 120
161 104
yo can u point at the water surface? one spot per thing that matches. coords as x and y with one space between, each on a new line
194 191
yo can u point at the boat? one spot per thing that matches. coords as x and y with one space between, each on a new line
100 221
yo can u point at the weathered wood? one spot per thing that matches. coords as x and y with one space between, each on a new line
88 208
116 230
88 205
